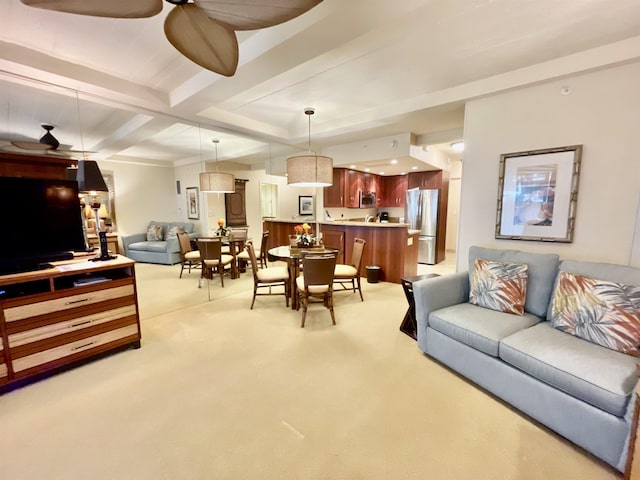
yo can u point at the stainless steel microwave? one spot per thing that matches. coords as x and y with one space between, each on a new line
367 199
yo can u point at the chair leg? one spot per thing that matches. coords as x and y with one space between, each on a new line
330 302
304 309
255 292
360 289
286 292
181 269
221 271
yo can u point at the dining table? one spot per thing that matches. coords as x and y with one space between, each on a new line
293 257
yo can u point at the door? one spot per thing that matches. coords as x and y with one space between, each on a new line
235 206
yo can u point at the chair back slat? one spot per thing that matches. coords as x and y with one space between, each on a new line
210 249
252 257
356 256
184 242
318 269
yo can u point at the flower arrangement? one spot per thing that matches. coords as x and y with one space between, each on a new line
222 230
303 235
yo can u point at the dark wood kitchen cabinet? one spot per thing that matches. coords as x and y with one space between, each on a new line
393 190
354 185
425 180
334 196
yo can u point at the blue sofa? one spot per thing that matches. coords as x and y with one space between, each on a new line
165 250
579 389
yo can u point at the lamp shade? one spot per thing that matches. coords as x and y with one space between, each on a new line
310 171
89 177
217 182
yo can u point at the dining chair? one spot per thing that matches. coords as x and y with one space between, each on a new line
316 282
267 277
213 259
238 238
188 256
350 273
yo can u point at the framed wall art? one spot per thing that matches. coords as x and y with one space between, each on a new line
193 203
305 205
538 194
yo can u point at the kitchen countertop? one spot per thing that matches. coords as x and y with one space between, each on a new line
345 223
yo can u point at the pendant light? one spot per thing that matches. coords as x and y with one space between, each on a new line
217 182
310 170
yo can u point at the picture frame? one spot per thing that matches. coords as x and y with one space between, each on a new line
193 203
538 194
306 205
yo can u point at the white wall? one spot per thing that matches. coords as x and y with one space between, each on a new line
142 193
602 113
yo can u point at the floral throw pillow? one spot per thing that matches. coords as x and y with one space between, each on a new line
174 231
154 233
599 311
499 286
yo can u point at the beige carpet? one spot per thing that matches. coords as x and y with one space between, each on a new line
218 391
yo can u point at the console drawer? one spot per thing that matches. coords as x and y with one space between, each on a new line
70 325
3 372
73 348
68 302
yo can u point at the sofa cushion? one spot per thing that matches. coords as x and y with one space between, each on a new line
499 286
541 274
478 327
599 376
155 232
598 311
173 231
160 246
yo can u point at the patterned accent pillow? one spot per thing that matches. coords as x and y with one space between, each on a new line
154 233
173 231
499 286
598 311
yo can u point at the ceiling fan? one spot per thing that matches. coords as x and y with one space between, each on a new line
47 144
203 31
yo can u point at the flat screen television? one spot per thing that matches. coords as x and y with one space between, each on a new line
41 222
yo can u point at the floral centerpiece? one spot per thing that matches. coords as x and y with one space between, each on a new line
222 230
304 237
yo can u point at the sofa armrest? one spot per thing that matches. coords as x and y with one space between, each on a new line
129 239
172 245
435 293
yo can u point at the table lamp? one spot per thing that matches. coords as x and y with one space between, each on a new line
90 182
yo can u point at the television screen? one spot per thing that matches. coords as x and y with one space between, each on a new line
41 222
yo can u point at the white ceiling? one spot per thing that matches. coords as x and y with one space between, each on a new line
371 68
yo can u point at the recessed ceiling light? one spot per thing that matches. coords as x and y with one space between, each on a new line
394 161
403 173
457 146
352 166
367 169
381 173
414 168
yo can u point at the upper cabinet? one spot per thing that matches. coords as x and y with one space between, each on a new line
425 180
394 190
334 196
354 186
390 190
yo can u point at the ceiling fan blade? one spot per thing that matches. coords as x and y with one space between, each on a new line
31 146
101 8
208 43
254 14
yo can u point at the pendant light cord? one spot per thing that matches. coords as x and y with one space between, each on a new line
84 153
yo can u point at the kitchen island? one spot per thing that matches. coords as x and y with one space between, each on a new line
391 246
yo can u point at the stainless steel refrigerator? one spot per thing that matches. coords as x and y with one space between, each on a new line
421 213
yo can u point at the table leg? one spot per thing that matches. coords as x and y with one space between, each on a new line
293 273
